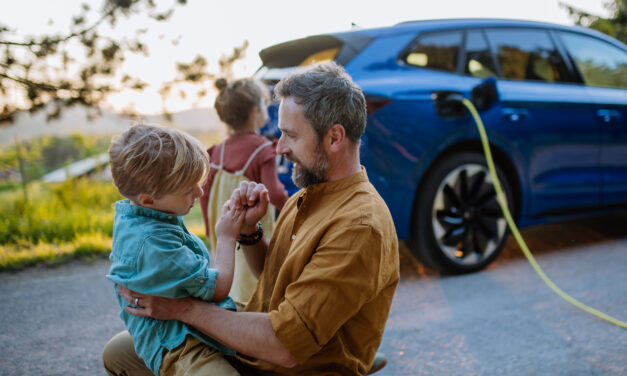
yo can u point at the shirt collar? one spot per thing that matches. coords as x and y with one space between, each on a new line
335 186
127 208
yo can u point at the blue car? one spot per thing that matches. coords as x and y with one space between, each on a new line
558 129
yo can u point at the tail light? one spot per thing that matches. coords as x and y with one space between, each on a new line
374 104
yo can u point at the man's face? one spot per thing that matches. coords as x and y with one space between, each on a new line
300 144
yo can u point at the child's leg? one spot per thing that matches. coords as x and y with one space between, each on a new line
195 358
119 357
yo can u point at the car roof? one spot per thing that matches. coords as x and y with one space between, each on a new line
357 38
447 23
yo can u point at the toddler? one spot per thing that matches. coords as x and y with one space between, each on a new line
160 171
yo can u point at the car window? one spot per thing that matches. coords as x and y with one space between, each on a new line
478 61
320 56
274 75
600 63
282 59
527 55
436 51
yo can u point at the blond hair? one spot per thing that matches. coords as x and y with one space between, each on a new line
156 161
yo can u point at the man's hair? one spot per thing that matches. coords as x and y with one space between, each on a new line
237 99
157 161
328 96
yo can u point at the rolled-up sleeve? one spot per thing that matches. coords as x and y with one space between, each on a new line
342 276
292 332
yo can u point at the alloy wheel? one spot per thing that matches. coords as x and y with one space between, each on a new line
468 224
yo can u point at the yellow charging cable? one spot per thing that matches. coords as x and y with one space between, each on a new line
512 226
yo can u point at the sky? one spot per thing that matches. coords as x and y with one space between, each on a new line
212 28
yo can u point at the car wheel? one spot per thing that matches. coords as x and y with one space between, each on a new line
458 225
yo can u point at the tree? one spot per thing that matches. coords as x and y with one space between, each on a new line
615 25
52 72
197 74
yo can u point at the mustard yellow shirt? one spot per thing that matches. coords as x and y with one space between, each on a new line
329 277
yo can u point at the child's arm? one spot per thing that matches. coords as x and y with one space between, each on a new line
227 230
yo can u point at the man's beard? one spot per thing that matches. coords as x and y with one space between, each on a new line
305 176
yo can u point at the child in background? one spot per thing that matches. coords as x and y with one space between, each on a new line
160 171
244 155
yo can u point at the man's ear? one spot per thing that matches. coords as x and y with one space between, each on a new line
336 136
144 199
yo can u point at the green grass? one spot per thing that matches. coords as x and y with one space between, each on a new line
55 213
64 221
56 222
86 246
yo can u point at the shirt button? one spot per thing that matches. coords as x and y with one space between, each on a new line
202 281
293 236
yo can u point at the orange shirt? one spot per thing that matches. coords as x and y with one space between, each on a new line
329 277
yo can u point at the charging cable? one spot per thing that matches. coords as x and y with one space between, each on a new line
512 226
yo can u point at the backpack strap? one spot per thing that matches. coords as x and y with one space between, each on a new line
219 167
252 156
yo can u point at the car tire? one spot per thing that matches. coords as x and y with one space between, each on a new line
458 226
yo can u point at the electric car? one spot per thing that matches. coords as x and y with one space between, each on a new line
557 130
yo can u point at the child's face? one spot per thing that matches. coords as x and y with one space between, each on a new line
179 203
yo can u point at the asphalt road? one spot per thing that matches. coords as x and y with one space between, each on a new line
501 321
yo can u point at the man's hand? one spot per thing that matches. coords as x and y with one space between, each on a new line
154 306
254 198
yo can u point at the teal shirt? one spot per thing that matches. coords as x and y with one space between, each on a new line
154 254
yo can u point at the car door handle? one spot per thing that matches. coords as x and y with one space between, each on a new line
514 114
607 115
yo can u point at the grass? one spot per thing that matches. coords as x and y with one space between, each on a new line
64 221
56 213
19 256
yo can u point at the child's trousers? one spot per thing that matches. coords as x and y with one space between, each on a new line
190 358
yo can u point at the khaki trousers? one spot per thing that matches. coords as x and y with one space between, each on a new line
190 358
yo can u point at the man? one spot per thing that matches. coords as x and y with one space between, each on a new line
328 275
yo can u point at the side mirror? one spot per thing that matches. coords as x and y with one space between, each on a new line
485 94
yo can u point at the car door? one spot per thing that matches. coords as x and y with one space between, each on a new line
603 67
550 120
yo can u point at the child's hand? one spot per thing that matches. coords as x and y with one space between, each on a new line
230 222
